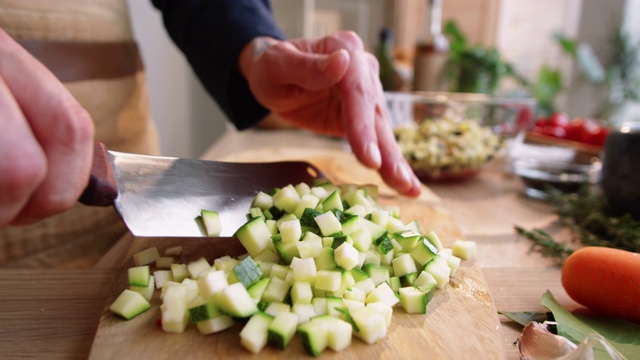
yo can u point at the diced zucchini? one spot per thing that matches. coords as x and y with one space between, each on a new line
235 301
290 230
310 246
328 280
161 276
129 304
275 308
302 188
146 257
301 292
366 285
198 267
139 276
377 273
286 199
394 283
339 334
403 265
407 239
247 271
164 262
276 291
304 269
380 217
214 325
434 239
211 221
174 251
146 292
358 274
383 309
346 256
304 311
372 325
263 200
307 201
464 249
328 223
413 300
257 289
212 282
281 329
333 202
179 272
325 260
175 316
314 335
440 270
225 263
203 310
254 236
384 293
253 335
424 252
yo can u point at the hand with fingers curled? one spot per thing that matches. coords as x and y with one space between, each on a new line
46 140
330 86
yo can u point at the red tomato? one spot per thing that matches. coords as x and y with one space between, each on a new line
580 129
559 120
599 136
555 131
541 122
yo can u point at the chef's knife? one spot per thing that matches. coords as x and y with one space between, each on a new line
163 196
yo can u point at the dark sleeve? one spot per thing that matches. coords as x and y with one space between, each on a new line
211 34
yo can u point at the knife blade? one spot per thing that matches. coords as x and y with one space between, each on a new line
163 196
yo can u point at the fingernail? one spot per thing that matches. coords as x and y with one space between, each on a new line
324 64
404 172
374 154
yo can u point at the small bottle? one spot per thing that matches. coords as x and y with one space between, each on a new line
432 52
385 59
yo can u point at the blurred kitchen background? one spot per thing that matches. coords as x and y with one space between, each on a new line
575 72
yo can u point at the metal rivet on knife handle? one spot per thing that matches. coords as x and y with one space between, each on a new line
102 188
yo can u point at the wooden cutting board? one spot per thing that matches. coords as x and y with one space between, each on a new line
461 321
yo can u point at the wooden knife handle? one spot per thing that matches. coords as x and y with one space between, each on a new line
102 189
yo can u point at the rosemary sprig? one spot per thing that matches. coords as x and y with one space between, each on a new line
591 223
545 244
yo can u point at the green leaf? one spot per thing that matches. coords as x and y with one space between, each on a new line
570 46
547 87
589 64
457 41
622 335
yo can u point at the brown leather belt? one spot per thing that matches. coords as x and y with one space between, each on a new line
75 60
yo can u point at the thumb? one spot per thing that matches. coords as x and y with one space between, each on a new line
312 72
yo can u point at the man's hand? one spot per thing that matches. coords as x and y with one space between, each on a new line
330 86
46 140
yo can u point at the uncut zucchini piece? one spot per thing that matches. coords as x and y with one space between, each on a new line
253 335
211 221
129 304
281 330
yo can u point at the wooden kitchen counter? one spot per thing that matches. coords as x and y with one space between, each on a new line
55 313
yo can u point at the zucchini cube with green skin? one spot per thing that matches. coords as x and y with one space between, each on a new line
276 291
254 236
328 223
175 315
383 309
366 285
287 199
301 292
380 217
304 269
211 283
281 330
346 256
262 200
146 256
139 276
214 325
310 246
413 300
198 267
257 289
403 265
328 280
201 310
286 250
384 293
275 308
254 334
394 225
129 304
424 252
464 249
314 335
433 238
307 201
440 270
425 281
377 273
325 260
290 230
247 271
361 239
407 239
371 325
235 301
211 221
333 202
146 292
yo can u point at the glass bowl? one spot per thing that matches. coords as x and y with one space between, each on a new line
569 177
450 136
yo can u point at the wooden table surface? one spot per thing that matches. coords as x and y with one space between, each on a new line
54 313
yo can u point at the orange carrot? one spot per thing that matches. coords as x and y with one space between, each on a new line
605 280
